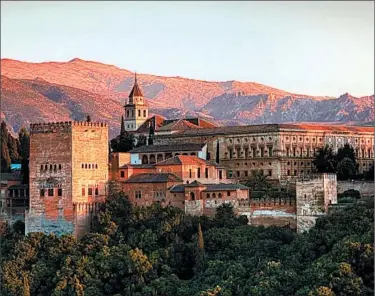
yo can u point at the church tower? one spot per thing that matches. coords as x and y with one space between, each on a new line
136 110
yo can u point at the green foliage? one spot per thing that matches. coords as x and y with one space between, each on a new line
346 169
325 160
123 143
142 140
155 251
352 193
258 182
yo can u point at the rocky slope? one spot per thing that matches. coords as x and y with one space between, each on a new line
34 92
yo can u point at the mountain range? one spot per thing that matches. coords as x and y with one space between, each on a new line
62 91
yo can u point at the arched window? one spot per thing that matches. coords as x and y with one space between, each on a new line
41 167
144 113
60 166
213 195
144 159
220 195
46 167
50 167
139 113
89 166
85 165
55 167
192 196
208 195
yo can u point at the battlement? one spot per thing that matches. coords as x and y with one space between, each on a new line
51 127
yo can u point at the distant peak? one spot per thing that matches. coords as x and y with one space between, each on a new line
76 60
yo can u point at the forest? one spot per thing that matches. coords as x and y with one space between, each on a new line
161 251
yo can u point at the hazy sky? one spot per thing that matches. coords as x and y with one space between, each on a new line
316 48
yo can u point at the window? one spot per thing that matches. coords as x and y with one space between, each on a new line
85 165
144 113
139 113
301 152
46 167
55 167
42 192
213 195
127 113
41 167
270 152
208 195
59 192
295 172
190 173
50 192
206 172
89 166
96 191
228 193
90 191
50 167
254 152
246 173
220 174
96 166
246 152
230 153
199 172
288 173
269 172
132 113
83 191
308 152
122 174
60 166
294 151
220 195
238 174
230 174
82 165
138 194
287 151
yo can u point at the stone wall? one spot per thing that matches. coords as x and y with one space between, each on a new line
313 197
366 188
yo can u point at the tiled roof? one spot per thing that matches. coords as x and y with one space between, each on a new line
19 186
137 166
157 120
185 160
224 187
178 125
9 177
136 91
268 128
153 178
177 188
168 148
209 187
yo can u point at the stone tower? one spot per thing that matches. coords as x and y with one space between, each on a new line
136 110
68 176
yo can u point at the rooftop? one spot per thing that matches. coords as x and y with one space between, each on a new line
153 178
209 187
185 160
168 148
268 128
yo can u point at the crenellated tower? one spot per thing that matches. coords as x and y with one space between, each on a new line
136 110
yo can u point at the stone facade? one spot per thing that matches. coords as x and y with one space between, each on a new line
281 151
313 197
68 175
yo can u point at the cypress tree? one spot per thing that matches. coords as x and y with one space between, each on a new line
5 155
122 131
24 151
200 259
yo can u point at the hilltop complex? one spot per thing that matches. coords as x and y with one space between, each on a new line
190 163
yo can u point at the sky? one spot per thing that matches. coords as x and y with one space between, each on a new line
316 48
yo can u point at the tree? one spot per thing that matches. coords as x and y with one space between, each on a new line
346 169
122 131
369 175
142 140
325 161
258 182
123 143
346 151
151 135
200 257
5 155
24 151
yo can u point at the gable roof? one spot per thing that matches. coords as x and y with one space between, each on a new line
178 125
168 148
153 178
185 160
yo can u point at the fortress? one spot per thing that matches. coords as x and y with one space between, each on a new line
190 163
68 175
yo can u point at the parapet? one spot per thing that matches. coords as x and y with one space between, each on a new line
53 127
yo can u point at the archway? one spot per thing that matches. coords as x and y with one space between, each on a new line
159 158
144 159
152 159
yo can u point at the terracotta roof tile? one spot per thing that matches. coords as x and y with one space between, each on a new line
153 178
185 160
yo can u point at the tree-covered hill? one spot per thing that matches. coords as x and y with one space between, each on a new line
161 251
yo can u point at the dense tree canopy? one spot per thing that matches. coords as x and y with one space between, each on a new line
162 251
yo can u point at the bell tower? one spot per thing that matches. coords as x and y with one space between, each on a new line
136 110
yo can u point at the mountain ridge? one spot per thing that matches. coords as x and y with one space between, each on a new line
90 85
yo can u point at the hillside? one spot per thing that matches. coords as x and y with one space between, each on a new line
34 92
